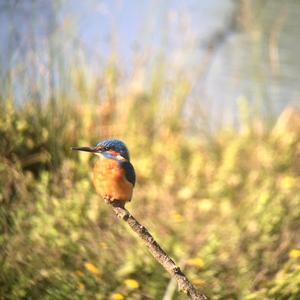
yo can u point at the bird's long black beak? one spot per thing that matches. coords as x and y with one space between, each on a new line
86 149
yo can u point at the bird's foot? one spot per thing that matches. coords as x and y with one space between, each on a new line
107 199
114 202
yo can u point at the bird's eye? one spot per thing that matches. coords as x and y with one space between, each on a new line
105 148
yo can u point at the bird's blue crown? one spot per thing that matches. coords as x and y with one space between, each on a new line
117 146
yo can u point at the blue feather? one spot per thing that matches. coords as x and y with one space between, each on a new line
129 171
116 145
121 148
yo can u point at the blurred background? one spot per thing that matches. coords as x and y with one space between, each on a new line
206 96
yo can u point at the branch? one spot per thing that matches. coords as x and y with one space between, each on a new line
159 254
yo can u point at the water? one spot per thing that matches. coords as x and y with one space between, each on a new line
240 67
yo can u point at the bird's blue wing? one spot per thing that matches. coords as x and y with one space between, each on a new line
129 171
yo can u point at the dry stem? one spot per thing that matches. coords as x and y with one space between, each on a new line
159 254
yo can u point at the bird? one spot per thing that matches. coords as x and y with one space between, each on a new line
113 174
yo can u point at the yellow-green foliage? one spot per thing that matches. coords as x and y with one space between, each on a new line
227 209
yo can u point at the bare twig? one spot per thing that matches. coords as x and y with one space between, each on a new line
171 288
159 254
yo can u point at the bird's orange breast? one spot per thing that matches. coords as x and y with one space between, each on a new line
110 181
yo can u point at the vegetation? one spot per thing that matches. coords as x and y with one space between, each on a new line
226 207
225 203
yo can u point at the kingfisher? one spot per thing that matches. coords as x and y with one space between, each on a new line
113 174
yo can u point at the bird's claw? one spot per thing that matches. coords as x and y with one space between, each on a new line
107 199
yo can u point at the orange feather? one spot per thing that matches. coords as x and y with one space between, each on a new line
110 181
